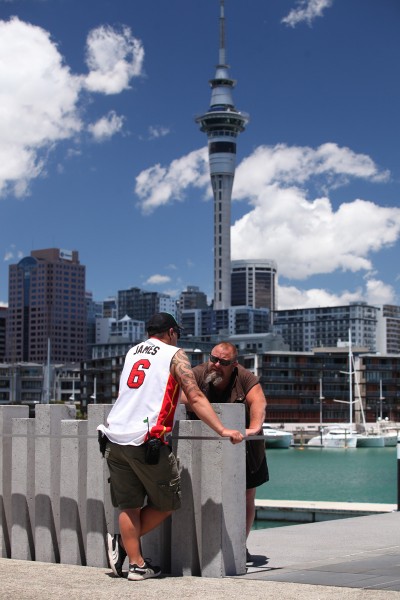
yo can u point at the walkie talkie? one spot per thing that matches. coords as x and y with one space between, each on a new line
152 448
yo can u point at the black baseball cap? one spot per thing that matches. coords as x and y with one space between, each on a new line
161 322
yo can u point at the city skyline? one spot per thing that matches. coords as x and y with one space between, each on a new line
100 152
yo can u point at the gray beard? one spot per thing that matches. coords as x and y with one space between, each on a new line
213 377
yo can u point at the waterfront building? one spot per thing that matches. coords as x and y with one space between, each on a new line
46 308
224 322
23 383
254 283
388 329
300 387
307 328
304 387
222 123
141 305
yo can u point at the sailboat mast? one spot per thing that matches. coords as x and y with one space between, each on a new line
350 382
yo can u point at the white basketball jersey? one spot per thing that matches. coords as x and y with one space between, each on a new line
148 395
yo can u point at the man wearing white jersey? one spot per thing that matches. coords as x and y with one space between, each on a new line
140 461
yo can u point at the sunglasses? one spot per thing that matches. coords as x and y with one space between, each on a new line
222 361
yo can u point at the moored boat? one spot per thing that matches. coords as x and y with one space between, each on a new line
334 437
370 440
276 438
389 434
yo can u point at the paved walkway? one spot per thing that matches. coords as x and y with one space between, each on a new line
359 552
347 559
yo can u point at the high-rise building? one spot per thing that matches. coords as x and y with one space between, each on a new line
254 283
236 320
192 297
94 310
110 308
305 329
3 322
141 305
388 336
222 123
46 308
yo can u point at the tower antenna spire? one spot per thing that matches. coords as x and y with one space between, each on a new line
222 51
222 123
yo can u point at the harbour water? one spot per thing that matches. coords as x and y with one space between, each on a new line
335 475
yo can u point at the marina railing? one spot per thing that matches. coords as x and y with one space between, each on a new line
55 503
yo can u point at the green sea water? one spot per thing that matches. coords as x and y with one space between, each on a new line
335 475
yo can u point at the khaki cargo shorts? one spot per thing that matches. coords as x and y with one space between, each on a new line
131 479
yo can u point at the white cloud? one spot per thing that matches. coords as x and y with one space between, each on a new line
106 127
292 297
307 10
378 292
306 236
157 280
158 131
159 185
13 254
309 236
375 293
173 292
113 58
38 98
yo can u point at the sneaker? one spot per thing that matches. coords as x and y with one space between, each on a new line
249 558
137 573
116 554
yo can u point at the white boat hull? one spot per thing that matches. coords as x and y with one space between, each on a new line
276 438
334 439
283 441
390 439
370 441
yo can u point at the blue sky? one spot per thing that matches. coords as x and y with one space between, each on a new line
100 153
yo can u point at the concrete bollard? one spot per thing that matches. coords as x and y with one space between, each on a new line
209 532
73 483
101 515
47 480
157 543
7 413
23 489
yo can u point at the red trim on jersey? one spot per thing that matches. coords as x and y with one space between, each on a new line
165 418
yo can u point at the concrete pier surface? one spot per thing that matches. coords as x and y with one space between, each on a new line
348 559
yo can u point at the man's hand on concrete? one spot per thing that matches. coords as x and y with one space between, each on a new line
235 436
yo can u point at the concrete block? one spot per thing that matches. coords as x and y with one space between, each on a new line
73 483
209 532
47 480
7 413
101 515
186 539
23 489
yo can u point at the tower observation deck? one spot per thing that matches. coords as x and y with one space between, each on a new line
222 123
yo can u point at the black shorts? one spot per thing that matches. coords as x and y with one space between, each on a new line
259 477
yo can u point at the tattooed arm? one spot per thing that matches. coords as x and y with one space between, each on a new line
181 370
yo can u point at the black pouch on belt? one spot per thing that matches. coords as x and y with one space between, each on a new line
152 451
102 439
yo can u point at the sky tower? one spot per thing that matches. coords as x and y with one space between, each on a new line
222 123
